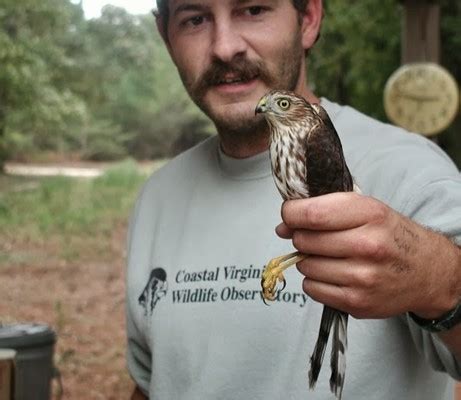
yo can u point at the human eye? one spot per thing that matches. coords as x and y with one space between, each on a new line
254 11
192 21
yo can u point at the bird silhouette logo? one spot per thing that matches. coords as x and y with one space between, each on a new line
155 289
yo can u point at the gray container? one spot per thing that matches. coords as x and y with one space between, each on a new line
34 345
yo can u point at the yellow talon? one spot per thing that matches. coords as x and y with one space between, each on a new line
273 273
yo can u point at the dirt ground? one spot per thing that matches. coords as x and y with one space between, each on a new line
84 304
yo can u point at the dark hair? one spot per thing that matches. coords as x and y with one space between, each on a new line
164 13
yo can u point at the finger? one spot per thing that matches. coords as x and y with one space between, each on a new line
332 271
330 295
335 211
362 242
283 231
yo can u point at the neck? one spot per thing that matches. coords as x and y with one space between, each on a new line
305 92
244 144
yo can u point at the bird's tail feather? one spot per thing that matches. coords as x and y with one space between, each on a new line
337 320
322 340
338 354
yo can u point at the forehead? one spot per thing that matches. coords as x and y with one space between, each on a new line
173 4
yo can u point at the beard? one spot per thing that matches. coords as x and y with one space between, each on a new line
239 120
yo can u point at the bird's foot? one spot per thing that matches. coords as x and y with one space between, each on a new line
273 273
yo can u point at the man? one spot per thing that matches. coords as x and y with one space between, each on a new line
202 231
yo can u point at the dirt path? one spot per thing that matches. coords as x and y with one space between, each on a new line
84 305
80 169
53 170
77 169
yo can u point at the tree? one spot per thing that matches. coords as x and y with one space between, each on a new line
106 88
359 49
31 59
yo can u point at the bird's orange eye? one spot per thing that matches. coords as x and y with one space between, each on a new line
284 104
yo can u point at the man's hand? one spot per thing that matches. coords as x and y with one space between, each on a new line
370 261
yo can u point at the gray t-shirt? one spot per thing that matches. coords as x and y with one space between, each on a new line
202 231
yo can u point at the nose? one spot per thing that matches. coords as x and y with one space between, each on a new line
228 42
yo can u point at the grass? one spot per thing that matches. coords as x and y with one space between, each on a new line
71 216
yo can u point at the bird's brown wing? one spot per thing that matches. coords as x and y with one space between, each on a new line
326 168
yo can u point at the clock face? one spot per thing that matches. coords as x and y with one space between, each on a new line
422 98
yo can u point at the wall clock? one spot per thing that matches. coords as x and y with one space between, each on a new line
422 97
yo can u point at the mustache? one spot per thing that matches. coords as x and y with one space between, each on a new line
241 68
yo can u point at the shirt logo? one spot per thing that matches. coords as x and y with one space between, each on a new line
155 289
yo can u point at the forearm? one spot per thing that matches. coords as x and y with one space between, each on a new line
450 256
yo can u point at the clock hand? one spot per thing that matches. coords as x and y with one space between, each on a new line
417 97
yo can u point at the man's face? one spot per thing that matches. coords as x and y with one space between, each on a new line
231 52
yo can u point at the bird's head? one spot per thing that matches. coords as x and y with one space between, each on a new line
281 107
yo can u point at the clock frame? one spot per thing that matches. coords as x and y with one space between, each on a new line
422 97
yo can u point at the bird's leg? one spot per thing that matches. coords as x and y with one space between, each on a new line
274 272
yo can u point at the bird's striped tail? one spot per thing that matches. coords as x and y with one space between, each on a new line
338 354
337 320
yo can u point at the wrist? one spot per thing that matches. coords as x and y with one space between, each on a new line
439 307
444 292
443 309
444 323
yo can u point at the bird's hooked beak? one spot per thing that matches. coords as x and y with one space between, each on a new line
262 106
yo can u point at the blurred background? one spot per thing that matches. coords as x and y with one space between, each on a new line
90 104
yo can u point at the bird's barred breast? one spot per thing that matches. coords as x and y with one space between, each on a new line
288 169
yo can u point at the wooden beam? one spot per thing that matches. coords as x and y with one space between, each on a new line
7 357
421 31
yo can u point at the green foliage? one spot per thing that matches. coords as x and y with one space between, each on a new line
101 88
148 100
102 140
62 209
106 88
359 49
31 57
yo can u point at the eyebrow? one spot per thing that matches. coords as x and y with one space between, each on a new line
188 7
243 2
240 2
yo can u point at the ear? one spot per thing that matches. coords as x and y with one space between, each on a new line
161 27
163 31
311 23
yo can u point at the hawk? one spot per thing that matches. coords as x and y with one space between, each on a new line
307 160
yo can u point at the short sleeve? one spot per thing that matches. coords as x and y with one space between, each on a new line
139 359
138 354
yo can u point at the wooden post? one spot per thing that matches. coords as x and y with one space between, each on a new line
7 357
421 31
